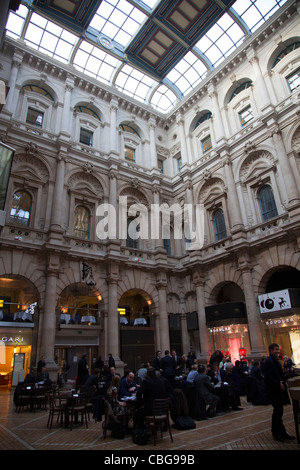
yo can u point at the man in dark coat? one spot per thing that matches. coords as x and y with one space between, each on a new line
177 363
152 388
111 361
277 394
82 371
157 361
167 366
205 387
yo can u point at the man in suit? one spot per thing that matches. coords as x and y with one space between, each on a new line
177 363
152 388
276 390
205 387
157 361
128 386
43 375
167 366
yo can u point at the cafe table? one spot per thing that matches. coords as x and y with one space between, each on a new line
23 316
67 398
140 321
88 319
130 404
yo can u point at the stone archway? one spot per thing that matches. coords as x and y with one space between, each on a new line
137 332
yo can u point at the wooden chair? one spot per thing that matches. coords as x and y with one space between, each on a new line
39 399
108 417
56 408
160 417
89 408
78 407
24 399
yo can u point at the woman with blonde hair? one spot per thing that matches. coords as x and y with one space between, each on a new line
118 407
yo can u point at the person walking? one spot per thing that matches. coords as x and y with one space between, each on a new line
82 371
276 389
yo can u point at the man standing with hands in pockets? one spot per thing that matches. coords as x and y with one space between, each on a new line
277 394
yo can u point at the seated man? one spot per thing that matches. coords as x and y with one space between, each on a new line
152 388
43 375
128 386
192 374
112 372
205 387
91 385
234 398
30 378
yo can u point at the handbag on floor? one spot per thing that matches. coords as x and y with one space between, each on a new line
184 422
140 436
117 430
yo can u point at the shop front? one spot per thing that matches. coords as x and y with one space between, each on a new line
280 317
228 329
71 343
15 355
18 319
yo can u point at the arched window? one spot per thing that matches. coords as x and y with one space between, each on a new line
219 225
82 222
240 88
290 48
21 208
267 203
203 118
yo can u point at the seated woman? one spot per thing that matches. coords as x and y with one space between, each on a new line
118 407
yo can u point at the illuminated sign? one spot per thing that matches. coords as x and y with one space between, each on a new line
10 339
274 301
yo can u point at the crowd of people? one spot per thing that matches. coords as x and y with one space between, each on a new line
195 390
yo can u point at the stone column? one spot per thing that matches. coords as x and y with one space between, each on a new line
57 206
260 86
11 99
189 216
153 156
203 331
48 329
254 323
113 323
184 152
157 332
113 200
156 226
105 331
66 114
113 127
234 204
185 340
113 341
163 315
288 176
217 118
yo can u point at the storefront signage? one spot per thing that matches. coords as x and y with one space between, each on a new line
10 339
280 321
274 301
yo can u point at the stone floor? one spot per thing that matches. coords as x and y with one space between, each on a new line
236 430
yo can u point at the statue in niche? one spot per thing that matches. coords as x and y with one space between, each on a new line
87 275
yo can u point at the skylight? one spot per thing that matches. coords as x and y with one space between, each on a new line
100 51
118 20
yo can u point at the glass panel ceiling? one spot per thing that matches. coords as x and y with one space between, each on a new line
119 20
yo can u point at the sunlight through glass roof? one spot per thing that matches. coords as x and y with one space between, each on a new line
117 22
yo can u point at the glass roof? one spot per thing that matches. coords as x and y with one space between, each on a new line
117 22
